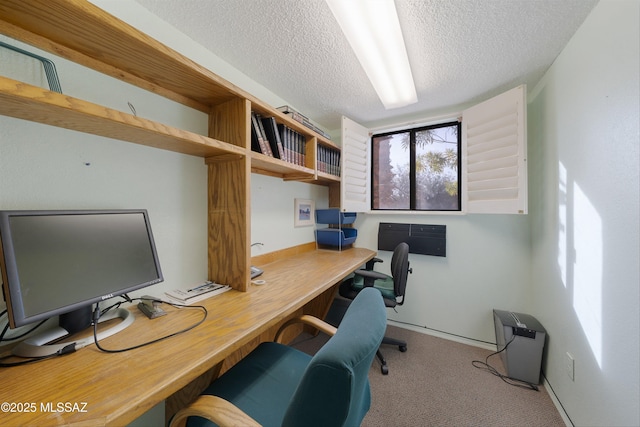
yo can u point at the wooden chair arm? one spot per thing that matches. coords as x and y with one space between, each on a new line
321 325
216 409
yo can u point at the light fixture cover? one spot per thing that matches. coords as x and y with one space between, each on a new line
373 31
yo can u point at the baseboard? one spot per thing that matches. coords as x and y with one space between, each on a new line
556 402
450 337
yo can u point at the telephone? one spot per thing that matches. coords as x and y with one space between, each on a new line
255 272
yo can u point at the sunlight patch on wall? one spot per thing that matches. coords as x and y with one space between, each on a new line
562 223
587 283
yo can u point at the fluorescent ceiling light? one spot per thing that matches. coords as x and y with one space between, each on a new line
373 30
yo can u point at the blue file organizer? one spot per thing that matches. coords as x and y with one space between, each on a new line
332 236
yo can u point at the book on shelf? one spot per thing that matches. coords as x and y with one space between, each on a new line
328 160
284 138
295 115
301 118
277 140
264 135
294 145
259 142
288 142
255 143
303 150
273 136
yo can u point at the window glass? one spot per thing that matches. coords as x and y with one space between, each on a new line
391 177
417 169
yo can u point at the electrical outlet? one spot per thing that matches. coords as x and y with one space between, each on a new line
570 366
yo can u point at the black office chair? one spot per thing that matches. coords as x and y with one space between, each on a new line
392 288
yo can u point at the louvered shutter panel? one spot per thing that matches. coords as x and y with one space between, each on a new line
494 144
355 182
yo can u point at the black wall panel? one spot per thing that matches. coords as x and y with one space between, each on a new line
422 239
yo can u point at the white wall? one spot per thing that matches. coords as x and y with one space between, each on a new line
486 267
45 167
272 213
584 161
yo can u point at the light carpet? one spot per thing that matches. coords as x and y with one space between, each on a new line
435 384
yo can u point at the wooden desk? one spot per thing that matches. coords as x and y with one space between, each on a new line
114 389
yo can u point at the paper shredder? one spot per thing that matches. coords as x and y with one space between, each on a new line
524 338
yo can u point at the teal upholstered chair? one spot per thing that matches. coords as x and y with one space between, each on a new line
277 385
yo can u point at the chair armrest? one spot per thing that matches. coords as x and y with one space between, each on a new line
321 325
371 263
216 409
370 274
369 277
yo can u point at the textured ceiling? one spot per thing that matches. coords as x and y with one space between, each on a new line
461 51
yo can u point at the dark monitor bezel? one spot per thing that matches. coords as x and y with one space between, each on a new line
10 276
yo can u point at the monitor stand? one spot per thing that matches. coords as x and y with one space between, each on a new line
37 346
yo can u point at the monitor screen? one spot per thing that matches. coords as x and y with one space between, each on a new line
55 262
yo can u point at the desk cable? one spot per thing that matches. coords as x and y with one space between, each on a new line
17 337
97 313
66 350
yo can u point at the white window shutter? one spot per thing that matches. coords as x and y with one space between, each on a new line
355 182
494 150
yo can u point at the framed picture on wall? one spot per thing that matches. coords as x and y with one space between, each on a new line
304 212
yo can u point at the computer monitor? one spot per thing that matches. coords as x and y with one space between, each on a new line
60 263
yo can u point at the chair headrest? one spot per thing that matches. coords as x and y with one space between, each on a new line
400 267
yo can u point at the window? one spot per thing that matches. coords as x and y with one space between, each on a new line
417 169
489 174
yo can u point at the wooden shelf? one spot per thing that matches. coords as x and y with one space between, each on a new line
327 178
266 165
33 103
274 167
83 33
